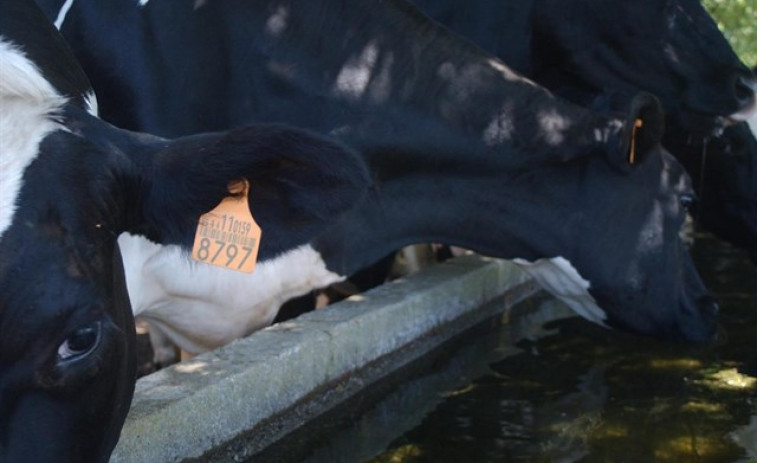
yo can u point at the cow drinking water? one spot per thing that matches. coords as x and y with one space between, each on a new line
593 52
462 150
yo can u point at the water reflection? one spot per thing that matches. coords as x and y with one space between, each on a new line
571 391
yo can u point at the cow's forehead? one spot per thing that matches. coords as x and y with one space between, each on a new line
28 108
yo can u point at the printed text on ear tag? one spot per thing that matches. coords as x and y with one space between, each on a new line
228 236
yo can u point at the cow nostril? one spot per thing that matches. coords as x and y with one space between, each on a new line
744 90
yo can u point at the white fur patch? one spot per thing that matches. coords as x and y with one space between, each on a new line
201 307
62 13
28 107
563 281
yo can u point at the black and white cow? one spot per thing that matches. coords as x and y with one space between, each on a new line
581 49
69 184
584 51
462 151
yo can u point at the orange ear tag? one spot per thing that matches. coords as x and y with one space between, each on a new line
638 123
228 236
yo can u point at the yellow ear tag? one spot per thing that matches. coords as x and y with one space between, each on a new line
638 123
228 236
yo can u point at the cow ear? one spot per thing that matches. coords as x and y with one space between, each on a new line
299 184
642 132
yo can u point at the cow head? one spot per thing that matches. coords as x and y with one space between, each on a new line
671 48
603 229
69 184
724 170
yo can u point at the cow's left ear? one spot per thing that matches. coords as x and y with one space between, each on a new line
642 132
299 184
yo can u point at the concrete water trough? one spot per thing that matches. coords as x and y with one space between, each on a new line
267 385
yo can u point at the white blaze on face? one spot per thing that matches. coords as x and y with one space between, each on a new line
28 104
562 280
202 307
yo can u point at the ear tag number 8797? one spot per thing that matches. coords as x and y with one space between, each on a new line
228 236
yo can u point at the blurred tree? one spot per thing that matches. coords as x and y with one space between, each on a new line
738 21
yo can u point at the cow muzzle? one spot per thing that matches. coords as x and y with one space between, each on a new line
745 88
698 322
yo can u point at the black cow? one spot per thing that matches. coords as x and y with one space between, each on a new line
728 208
584 48
461 149
592 53
69 184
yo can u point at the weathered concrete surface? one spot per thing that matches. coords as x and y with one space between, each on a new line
183 412
370 423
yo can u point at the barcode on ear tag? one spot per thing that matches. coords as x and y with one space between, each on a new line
228 236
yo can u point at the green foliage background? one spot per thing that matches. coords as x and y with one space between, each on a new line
738 21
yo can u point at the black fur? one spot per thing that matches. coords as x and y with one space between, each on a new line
461 150
602 56
44 46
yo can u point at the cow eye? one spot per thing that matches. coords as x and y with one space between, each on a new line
687 200
81 342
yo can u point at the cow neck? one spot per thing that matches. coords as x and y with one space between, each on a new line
477 205
446 150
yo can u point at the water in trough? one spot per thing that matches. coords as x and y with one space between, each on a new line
561 390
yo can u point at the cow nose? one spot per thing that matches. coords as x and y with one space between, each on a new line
699 322
709 309
744 90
